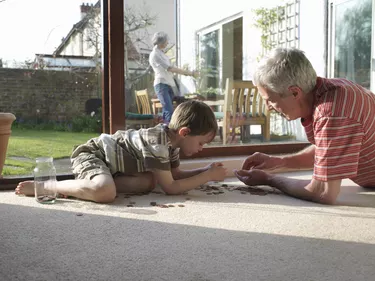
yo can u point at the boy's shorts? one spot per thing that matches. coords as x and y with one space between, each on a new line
88 161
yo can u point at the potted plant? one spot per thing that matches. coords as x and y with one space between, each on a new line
6 120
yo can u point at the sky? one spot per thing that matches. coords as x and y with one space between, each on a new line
29 27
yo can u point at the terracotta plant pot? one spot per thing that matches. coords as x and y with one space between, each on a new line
6 120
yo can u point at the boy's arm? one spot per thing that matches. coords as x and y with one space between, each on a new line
183 174
179 174
172 186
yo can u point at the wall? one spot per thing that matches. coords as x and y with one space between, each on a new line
74 47
48 95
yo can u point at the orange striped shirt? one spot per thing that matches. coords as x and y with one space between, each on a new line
342 128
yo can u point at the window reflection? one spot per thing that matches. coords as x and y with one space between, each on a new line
224 44
209 60
352 53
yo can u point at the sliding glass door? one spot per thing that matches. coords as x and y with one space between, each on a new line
350 49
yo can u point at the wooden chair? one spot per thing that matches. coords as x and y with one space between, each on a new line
243 106
143 102
144 118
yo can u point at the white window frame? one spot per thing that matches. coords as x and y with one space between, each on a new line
213 27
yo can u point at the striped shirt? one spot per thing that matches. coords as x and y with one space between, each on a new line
342 128
133 151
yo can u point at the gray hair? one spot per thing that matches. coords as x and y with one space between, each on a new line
159 38
285 67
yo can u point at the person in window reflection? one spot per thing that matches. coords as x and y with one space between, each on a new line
164 83
338 118
134 161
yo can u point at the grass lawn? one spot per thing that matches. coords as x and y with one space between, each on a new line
26 145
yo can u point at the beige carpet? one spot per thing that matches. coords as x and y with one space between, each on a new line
229 236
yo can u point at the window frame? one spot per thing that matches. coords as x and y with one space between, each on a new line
113 96
211 28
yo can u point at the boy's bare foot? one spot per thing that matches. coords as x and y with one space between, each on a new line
25 188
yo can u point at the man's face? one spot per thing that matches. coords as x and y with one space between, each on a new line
288 106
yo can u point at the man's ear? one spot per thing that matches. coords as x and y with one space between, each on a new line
184 131
296 91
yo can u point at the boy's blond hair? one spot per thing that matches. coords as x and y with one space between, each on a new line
195 115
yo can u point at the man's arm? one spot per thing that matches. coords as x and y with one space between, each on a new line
303 159
314 190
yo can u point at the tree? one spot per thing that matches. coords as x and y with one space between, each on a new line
136 22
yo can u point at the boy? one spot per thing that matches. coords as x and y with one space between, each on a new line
133 161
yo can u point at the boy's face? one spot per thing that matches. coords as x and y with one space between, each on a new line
193 144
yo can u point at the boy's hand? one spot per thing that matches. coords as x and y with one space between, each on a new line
217 172
214 164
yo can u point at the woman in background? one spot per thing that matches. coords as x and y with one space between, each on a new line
164 84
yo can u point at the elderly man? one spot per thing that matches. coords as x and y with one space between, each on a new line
338 118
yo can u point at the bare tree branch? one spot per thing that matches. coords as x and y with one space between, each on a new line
136 22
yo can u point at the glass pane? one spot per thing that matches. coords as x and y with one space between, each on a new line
50 71
353 23
222 45
209 49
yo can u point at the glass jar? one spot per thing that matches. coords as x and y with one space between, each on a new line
45 180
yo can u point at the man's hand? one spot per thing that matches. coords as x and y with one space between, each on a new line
262 161
316 191
253 177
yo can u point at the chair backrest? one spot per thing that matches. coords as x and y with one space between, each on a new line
242 99
143 102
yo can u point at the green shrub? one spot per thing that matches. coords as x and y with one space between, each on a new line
85 123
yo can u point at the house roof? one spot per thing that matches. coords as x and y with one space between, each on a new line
133 54
78 27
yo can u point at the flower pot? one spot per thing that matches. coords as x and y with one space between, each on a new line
6 120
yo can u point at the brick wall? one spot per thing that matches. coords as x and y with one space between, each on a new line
48 95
